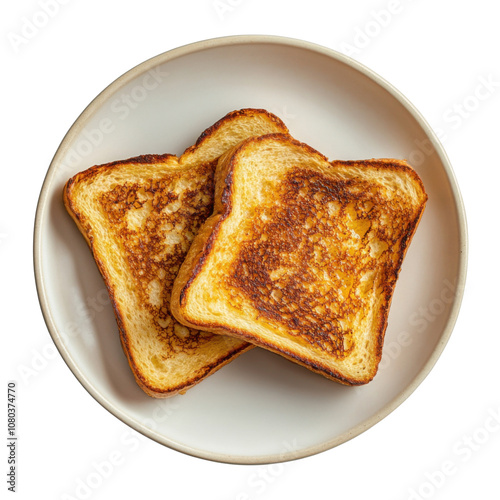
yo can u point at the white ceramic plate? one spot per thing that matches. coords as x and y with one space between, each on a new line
260 408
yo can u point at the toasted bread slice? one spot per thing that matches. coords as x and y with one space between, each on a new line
301 255
139 217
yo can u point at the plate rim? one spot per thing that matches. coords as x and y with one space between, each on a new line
192 48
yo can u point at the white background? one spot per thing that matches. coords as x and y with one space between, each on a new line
444 55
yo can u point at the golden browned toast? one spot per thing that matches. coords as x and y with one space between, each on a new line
301 255
139 217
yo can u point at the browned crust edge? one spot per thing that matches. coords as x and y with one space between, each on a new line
156 392
245 112
223 208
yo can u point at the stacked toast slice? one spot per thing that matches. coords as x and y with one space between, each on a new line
139 217
301 255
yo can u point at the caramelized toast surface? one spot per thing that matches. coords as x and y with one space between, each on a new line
303 254
139 217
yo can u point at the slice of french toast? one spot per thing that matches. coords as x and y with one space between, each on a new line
301 255
139 217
